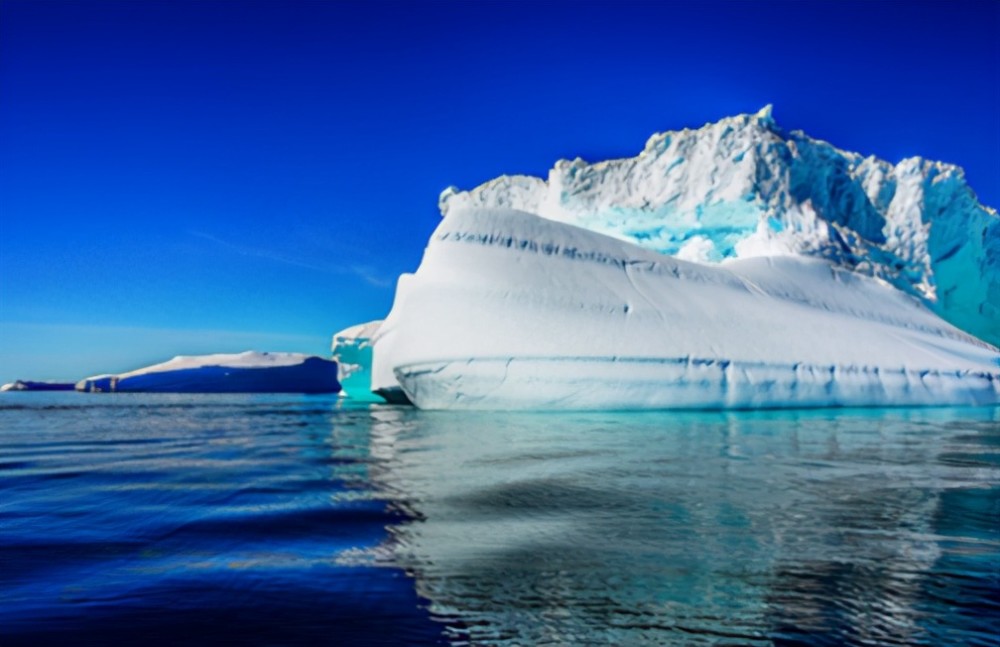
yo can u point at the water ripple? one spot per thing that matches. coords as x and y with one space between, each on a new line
290 520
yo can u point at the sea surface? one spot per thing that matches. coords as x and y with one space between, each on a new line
298 520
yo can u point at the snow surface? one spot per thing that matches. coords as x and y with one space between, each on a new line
510 310
250 371
247 359
352 350
743 187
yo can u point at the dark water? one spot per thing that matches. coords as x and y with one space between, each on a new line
283 520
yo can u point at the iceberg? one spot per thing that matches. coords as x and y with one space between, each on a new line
30 385
248 372
97 383
383 379
509 310
352 350
744 187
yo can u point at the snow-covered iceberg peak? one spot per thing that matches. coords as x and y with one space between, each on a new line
743 187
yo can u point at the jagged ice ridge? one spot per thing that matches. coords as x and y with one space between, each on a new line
743 187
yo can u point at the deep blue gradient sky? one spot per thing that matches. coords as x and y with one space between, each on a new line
188 177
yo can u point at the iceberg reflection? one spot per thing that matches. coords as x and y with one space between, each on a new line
790 527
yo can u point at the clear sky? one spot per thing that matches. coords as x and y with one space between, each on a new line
185 177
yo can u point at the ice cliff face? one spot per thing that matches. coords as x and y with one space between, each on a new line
352 350
743 187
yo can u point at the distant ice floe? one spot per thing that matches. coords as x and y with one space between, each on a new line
248 372
31 385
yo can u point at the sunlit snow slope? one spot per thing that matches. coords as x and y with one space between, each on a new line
743 187
510 310
248 372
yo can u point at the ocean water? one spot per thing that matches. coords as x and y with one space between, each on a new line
293 520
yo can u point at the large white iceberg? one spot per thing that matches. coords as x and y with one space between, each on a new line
248 372
743 187
511 310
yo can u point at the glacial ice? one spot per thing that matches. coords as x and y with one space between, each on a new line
743 187
248 372
33 385
511 310
352 350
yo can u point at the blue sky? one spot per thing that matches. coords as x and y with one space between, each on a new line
187 177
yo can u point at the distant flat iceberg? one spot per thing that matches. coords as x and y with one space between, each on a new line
249 372
512 311
31 385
